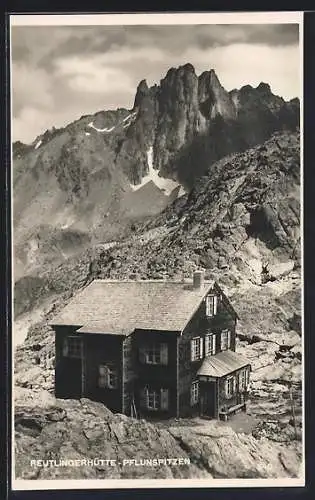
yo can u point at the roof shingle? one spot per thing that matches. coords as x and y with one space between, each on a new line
120 307
222 364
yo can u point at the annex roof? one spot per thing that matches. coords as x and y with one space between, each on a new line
222 364
120 307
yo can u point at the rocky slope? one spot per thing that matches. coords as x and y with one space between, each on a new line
82 430
91 180
241 223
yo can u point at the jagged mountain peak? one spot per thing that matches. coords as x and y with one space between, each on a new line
246 89
180 70
142 87
100 163
264 88
211 77
142 91
214 100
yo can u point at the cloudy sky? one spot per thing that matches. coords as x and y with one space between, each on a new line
60 73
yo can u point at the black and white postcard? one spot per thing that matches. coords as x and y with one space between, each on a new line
157 250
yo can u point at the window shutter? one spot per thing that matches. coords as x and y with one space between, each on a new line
164 354
234 385
102 370
207 344
229 339
107 376
103 380
65 347
143 397
192 352
142 355
215 305
201 347
226 388
240 381
246 377
164 399
213 346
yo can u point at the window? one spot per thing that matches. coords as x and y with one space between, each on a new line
72 347
154 354
196 348
107 377
154 399
194 393
211 305
225 340
210 344
243 379
229 387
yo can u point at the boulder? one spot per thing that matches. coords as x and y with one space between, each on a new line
276 271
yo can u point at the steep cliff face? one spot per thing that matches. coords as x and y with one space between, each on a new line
169 117
85 179
242 216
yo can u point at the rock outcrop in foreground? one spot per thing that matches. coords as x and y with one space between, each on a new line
83 430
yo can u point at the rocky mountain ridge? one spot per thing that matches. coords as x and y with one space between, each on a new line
243 213
90 180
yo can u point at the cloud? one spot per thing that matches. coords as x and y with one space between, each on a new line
92 74
44 44
60 73
29 122
240 64
30 87
235 64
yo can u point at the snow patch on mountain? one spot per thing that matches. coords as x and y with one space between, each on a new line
130 116
166 185
125 123
105 129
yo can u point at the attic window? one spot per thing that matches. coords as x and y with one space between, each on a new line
107 377
211 305
72 347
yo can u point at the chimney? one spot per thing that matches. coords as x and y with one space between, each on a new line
198 280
